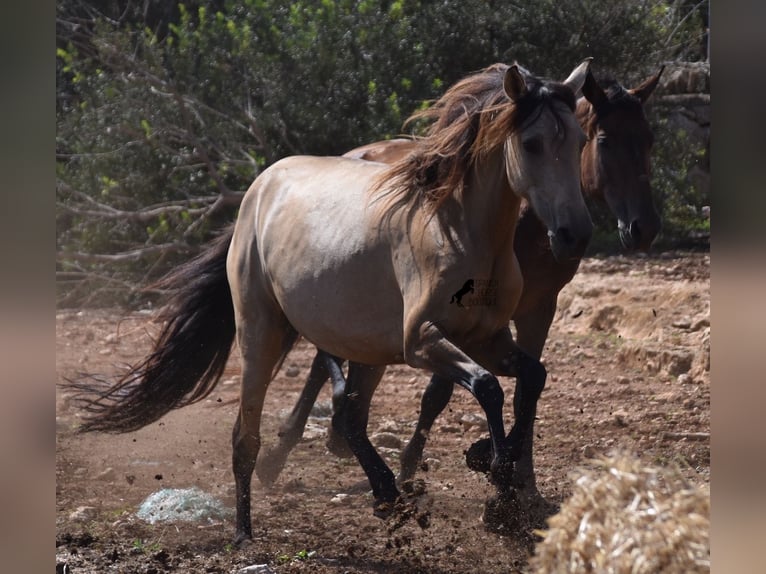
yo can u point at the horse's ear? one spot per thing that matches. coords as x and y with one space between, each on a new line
593 92
645 90
576 79
514 84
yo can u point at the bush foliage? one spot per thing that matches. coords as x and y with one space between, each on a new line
167 111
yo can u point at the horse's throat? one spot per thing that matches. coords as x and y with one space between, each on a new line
492 211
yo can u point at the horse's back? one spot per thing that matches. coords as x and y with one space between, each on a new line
386 151
307 239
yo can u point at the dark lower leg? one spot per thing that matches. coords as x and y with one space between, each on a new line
245 452
488 392
336 441
529 386
435 399
351 420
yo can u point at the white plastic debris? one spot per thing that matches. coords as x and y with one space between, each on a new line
256 569
184 504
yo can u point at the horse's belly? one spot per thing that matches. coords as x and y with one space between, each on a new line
348 315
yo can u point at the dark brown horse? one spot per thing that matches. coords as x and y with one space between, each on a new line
615 168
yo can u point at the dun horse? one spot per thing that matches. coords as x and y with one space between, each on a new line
401 239
615 164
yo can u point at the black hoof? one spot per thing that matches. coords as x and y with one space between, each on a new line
478 457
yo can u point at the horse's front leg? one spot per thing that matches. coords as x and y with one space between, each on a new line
504 357
531 334
426 346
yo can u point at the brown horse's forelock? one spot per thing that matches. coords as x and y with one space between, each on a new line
618 98
469 121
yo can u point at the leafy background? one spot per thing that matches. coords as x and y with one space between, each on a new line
167 111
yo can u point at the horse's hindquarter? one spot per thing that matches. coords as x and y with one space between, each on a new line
320 257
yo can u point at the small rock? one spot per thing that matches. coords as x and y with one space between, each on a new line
107 475
322 409
683 323
292 371
83 513
312 432
472 420
678 362
386 440
432 463
257 569
623 380
111 339
387 452
621 418
589 451
389 426
339 498
699 323
105 352
685 379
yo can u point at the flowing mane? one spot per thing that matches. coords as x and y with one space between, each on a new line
469 121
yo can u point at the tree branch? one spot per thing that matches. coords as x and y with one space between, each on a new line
132 255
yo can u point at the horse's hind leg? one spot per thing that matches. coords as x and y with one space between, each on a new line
435 399
351 420
263 345
336 442
270 463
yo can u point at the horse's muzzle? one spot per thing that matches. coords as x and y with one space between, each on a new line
565 244
639 235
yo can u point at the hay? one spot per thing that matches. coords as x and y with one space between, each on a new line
625 517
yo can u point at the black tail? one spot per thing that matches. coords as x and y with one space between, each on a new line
188 357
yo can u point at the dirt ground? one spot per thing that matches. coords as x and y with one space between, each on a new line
628 363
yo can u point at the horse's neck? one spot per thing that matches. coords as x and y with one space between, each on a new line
584 112
490 207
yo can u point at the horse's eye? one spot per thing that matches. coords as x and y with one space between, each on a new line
534 146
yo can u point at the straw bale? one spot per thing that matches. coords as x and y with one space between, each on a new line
628 517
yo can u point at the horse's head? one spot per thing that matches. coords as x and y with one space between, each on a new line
615 161
543 156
